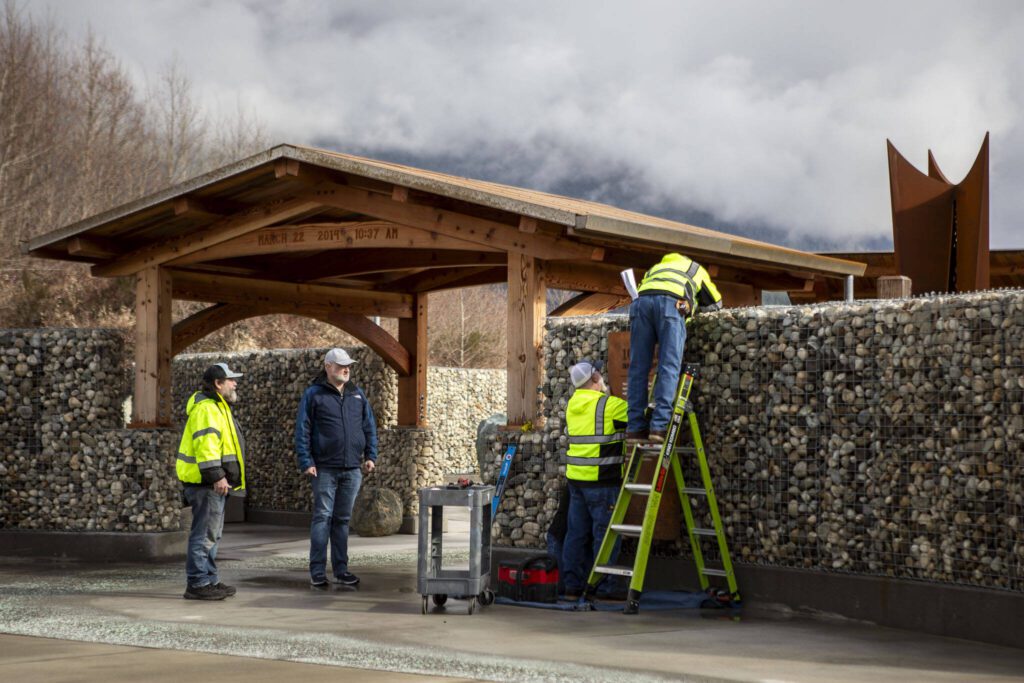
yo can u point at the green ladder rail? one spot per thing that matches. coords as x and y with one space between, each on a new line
668 454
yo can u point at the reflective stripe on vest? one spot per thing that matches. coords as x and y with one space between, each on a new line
592 462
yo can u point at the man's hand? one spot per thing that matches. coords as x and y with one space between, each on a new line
311 471
222 487
368 467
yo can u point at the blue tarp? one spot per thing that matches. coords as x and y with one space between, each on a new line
650 600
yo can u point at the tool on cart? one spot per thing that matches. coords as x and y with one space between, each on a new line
668 454
499 489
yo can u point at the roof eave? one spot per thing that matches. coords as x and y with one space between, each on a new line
765 253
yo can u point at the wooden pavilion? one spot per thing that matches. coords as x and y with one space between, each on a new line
341 239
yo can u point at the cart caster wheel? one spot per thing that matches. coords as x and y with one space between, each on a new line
472 605
423 607
487 597
440 599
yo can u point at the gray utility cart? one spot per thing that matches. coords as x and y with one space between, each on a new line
437 583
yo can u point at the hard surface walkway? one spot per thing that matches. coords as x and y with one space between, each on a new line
90 623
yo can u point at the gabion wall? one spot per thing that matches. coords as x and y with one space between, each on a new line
66 463
878 438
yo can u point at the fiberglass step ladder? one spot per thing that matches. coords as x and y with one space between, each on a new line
667 454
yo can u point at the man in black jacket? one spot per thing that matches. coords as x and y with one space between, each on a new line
335 442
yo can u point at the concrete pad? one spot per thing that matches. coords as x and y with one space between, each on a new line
43 660
277 616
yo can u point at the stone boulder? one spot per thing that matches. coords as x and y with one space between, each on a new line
377 512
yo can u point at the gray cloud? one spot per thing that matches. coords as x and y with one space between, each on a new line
762 118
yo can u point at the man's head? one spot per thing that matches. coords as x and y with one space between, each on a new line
220 378
337 365
587 375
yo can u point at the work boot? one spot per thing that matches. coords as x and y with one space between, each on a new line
636 437
657 436
228 590
207 592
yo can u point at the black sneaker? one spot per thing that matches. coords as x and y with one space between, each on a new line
347 579
318 581
228 590
207 592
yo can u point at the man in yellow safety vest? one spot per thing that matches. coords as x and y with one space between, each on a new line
595 422
674 289
210 466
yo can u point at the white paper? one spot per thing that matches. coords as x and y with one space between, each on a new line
629 280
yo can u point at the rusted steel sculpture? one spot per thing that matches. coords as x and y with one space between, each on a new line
940 230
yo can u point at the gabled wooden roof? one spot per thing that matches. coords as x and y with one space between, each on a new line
454 232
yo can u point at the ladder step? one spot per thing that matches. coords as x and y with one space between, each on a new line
616 569
714 572
694 491
627 529
704 532
643 489
654 450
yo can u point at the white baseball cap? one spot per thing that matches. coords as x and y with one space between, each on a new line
581 373
338 357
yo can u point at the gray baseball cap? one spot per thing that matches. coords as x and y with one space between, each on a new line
338 357
219 371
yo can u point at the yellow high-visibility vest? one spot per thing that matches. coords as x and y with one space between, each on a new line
210 443
596 424
683 278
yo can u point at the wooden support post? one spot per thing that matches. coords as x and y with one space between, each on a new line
151 405
412 390
527 308
894 287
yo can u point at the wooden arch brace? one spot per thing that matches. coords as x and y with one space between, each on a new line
190 330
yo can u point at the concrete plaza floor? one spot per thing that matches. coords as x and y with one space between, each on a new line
128 623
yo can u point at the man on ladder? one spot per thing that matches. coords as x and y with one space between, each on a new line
672 290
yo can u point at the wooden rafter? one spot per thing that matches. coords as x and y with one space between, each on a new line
165 250
234 290
448 278
190 330
198 207
355 262
322 236
584 278
486 233
589 303
93 248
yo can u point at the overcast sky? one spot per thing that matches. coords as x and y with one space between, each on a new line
762 118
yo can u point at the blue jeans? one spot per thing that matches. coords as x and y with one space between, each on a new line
590 511
654 320
207 527
555 551
334 493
